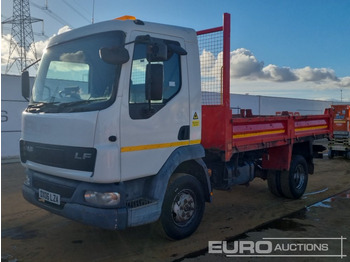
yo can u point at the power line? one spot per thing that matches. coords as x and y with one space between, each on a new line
52 14
41 35
83 8
93 12
75 10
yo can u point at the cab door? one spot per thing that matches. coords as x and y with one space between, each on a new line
152 127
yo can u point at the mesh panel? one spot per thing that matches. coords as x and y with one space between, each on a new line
211 61
138 202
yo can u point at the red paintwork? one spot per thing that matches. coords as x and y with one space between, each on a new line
230 134
211 30
259 132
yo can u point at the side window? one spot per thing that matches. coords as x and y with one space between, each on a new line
139 106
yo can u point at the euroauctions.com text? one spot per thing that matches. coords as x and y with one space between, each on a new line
280 247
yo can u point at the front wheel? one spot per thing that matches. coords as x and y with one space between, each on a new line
294 181
183 206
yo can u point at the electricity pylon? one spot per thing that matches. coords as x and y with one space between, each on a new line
22 37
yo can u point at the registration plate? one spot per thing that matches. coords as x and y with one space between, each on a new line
49 197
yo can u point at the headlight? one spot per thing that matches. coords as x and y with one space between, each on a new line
105 199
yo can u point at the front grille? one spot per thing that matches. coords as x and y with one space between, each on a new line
68 157
62 190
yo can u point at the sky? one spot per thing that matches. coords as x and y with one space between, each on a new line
285 48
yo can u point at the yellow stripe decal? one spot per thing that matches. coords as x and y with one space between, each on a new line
339 121
280 131
158 146
195 142
309 128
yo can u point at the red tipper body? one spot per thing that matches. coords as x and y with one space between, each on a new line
230 134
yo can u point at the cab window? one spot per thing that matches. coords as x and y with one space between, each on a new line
139 106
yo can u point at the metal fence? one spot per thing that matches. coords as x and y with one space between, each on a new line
210 44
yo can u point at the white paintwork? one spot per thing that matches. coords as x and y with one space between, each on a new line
162 127
66 129
107 167
195 93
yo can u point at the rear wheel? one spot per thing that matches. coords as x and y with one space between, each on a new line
183 206
294 181
274 182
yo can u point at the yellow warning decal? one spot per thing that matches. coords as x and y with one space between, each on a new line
195 123
195 120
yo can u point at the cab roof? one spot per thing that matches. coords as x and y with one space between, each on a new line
127 26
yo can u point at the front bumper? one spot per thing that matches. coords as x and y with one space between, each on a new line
134 208
73 205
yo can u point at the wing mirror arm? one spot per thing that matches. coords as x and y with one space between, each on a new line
25 85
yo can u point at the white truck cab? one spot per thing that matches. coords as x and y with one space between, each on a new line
114 115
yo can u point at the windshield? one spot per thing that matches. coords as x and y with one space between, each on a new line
73 77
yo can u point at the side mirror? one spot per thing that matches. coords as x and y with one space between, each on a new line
177 49
154 82
114 55
157 51
25 85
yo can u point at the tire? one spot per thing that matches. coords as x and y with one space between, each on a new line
294 181
330 154
274 182
183 206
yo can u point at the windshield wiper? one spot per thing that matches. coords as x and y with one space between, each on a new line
72 106
81 102
42 107
55 107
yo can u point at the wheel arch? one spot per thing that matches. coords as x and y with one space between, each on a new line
187 159
305 149
198 169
